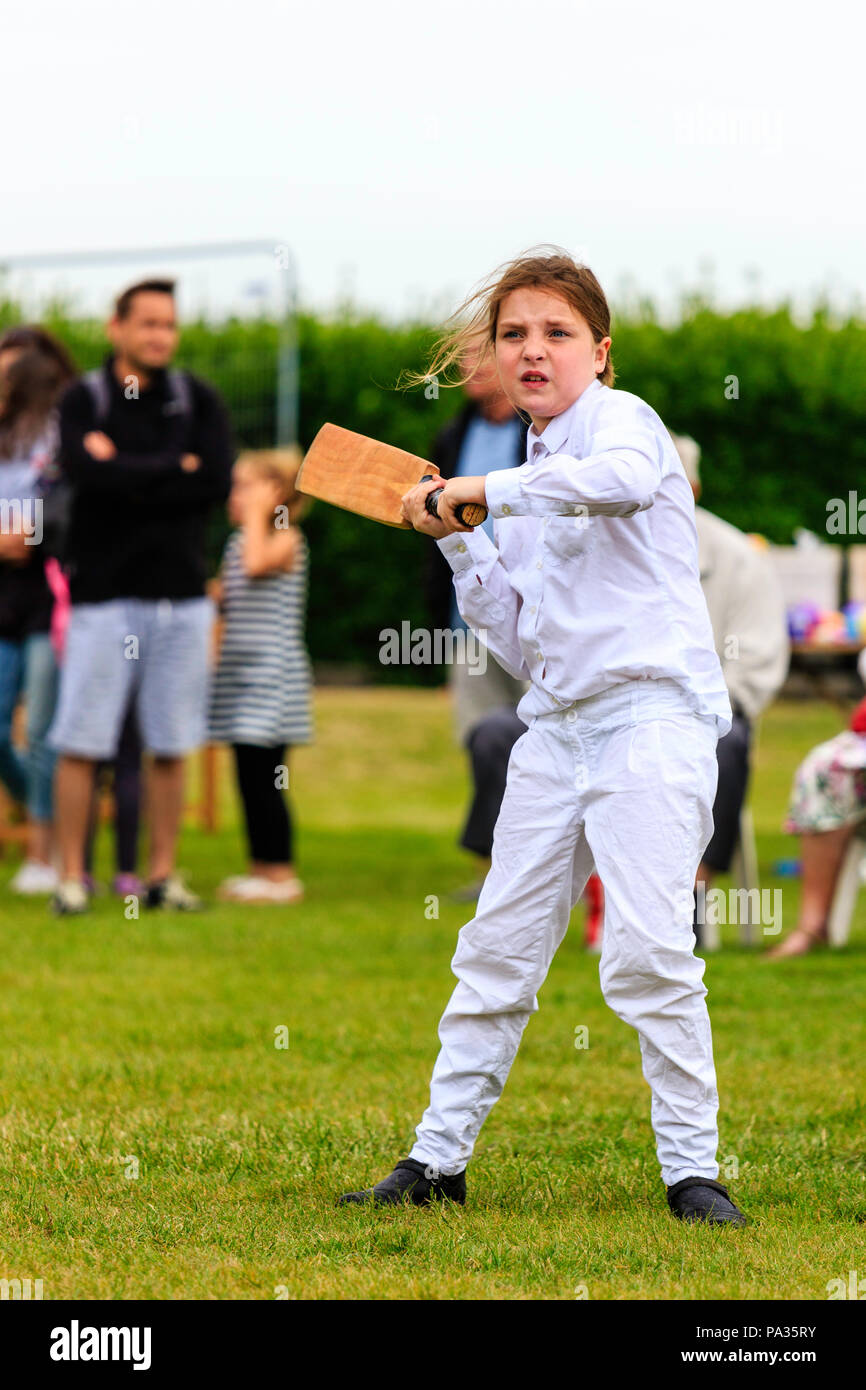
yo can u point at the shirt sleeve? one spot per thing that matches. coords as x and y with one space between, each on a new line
619 476
486 599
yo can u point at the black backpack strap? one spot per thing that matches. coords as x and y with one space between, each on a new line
179 404
97 385
180 392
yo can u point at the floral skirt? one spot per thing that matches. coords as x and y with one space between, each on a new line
829 788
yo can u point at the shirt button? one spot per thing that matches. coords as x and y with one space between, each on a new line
539 565
461 547
506 510
533 609
571 716
540 656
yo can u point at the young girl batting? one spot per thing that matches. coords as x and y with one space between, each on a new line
591 592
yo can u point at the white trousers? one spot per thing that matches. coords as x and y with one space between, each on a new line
626 779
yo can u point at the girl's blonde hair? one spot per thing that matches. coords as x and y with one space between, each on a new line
544 267
281 466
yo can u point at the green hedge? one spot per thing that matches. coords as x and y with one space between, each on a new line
792 437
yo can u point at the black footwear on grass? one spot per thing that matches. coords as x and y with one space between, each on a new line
171 893
703 1199
414 1182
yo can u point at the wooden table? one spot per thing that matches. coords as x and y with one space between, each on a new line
815 661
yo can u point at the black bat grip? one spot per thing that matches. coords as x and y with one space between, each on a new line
469 513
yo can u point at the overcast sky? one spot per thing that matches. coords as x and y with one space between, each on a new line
403 151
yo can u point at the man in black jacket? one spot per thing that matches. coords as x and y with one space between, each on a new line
147 453
486 435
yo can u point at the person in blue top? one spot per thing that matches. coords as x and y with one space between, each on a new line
485 436
35 369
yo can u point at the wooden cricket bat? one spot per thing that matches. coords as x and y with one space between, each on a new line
362 475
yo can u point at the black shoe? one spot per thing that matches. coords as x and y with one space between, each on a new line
173 893
702 1199
410 1182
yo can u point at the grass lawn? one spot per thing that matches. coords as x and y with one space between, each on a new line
155 1143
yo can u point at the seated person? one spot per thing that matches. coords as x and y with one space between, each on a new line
828 798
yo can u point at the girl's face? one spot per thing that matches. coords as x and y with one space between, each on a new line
545 353
242 483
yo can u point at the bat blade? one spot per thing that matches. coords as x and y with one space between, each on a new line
361 475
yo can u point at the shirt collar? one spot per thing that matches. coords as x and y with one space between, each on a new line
560 427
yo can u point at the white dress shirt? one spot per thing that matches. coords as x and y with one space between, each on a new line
593 578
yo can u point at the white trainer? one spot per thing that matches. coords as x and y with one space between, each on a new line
173 893
262 890
34 878
286 890
70 899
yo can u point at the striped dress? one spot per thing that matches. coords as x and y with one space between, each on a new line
261 691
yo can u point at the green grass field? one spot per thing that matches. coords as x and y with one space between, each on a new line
155 1143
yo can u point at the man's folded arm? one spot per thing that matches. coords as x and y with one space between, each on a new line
123 475
211 441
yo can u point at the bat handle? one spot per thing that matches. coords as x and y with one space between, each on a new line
470 513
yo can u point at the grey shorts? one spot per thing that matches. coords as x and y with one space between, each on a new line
155 651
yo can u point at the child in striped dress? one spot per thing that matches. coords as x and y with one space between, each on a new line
261 694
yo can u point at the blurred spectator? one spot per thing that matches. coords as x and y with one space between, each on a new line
124 774
828 799
487 435
260 700
34 370
147 452
750 631
125 770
